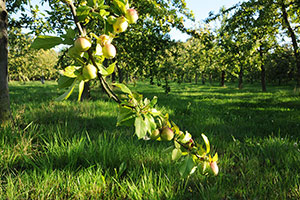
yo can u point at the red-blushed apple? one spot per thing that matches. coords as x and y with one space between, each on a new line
89 72
214 167
166 134
82 44
120 25
131 15
109 51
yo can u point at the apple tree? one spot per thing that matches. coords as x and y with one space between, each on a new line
91 50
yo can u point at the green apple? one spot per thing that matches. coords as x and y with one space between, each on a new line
120 25
89 72
154 134
82 44
131 15
166 134
109 51
111 20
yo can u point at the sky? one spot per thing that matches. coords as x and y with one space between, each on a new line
201 9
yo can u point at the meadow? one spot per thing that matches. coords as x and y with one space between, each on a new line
71 150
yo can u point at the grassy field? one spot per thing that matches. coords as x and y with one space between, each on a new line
70 150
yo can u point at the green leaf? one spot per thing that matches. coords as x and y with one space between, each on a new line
177 145
125 116
206 143
69 36
103 13
187 166
111 68
176 154
64 82
150 120
81 87
70 71
186 138
67 93
121 5
123 88
140 127
98 51
108 71
46 42
153 102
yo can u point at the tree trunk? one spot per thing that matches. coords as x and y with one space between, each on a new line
4 94
203 78
263 72
294 40
120 73
241 78
113 77
196 78
223 78
86 92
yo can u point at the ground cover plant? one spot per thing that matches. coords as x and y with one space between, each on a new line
73 150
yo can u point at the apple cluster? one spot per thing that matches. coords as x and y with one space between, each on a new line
165 134
104 46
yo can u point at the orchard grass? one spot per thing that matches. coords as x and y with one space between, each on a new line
70 150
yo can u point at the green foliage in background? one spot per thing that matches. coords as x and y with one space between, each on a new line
28 64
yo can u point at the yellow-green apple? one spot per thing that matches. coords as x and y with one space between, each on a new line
82 44
120 25
89 72
154 134
109 51
131 15
166 134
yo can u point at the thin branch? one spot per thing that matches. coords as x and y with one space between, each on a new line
78 25
104 84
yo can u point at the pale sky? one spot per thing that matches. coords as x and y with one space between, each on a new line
201 9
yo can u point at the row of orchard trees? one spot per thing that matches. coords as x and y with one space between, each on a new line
256 41
246 46
27 64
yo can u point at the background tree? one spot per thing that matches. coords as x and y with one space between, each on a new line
28 64
4 96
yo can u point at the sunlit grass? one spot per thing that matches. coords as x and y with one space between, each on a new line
70 150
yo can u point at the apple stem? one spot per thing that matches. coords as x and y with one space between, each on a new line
197 155
104 84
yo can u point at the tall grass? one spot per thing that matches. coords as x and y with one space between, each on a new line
70 150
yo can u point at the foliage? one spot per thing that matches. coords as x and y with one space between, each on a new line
90 54
27 64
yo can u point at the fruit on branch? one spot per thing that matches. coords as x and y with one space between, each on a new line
191 143
111 20
166 134
154 134
89 72
131 15
82 44
120 25
214 167
104 39
109 51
